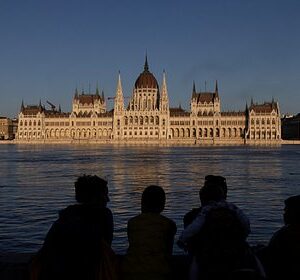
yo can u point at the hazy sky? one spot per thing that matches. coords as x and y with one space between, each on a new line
48 48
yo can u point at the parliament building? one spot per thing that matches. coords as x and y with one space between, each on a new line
148 119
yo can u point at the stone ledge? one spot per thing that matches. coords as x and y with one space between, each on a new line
15 266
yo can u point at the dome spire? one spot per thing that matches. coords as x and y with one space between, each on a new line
146 67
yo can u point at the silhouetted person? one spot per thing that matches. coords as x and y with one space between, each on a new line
151 237
191 215
284 247
73 245
217 235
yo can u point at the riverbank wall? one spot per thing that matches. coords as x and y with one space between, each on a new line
170 142
16 266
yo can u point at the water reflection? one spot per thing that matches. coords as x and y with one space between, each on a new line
37 181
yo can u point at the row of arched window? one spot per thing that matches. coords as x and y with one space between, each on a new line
140 120
262 121
30 123
263 135
207 132
78 133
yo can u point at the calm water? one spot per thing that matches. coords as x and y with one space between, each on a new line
37 181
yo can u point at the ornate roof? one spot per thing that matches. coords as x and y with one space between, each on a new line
146 79
205 97
32 109
87 98
178 111
266 107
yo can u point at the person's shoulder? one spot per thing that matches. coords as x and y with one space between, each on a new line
190 216
69 211
136 219
168 221
107 211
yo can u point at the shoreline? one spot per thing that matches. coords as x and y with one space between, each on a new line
152 143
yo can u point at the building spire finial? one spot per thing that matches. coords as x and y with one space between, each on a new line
146 67
22 105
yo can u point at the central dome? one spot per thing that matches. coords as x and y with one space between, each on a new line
146 79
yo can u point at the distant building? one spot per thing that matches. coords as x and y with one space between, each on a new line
8 128
290 127
148 118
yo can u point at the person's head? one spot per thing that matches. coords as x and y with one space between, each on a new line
153 199
216 180
91 190
292 210
214 189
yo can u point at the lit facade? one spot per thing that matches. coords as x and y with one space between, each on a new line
148 119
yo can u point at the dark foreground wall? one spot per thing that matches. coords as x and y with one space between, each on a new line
16 266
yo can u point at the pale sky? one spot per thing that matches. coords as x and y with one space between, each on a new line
48 48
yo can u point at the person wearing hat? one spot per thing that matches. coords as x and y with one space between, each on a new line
284 246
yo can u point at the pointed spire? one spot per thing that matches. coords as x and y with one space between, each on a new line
59 108
22 105
164 101
119 86
102 96
216 89
119 102
97 90
146 67
194 90
164 84
76 93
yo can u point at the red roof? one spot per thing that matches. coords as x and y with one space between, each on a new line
88 98
263 108
205 97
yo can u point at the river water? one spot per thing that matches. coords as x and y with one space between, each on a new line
36 181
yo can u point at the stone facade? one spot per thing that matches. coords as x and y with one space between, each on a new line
8 128
148 118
